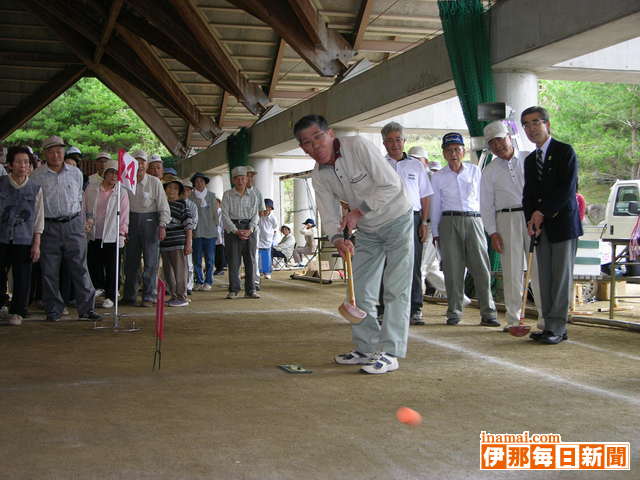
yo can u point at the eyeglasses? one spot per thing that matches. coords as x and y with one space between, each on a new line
536 122
316 137
398 140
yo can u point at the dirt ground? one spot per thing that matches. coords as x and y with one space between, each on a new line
84 404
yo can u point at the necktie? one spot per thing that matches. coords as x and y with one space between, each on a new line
539 163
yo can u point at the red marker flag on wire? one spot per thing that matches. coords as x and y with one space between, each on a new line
157 356
127 171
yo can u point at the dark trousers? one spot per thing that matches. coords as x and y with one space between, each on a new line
416 276
237 250
18 258
143 243
102 257
221 259
65 243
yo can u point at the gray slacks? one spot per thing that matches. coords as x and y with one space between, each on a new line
65 243
392 242
555 270
463 244
143 242
174 269
236 250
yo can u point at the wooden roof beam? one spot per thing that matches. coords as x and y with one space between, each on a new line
145 110
195 44
114 11
362 20
276 68
206 125
15 118
326 51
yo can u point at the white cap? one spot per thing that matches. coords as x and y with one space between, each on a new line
237 171
418 151
111 165
495 129
155 158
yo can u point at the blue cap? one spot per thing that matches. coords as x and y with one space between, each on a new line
170 171
309 220
452 138
268 202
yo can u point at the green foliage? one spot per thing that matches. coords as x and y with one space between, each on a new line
92 118
601 121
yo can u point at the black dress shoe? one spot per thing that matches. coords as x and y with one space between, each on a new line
489 322
551 339
90 316
453 321
538 335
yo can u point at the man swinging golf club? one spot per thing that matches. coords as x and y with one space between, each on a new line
352 170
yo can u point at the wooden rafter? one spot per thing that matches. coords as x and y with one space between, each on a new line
329 58
145 110
114 11
194 45
224 104
15 118
276 68
362 20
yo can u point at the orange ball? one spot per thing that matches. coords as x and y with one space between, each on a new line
409 416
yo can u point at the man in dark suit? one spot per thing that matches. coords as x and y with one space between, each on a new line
551 211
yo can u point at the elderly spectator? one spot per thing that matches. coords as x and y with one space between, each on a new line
100 204
251 187
418 189
551 211
310 232
459 233
101 161
193 210
168 174
421 154
155 167
148 218
73 157
63 238
22 213
502 215
285 246
206 233
240 216
268 226
176 244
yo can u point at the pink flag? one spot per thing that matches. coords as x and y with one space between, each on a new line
127 171
162 289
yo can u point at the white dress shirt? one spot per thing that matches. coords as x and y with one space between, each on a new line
454 191
501 187
415 178
150 197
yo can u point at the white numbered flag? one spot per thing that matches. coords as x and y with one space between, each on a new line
127 171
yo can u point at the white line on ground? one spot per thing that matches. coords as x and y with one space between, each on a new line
605 350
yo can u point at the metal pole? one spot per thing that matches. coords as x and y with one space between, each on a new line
116 319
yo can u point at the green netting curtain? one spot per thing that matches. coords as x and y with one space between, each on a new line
467 40
238 148
465 33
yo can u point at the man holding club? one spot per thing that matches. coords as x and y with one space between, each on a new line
353 171
502 216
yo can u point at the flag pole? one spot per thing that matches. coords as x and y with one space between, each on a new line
116 318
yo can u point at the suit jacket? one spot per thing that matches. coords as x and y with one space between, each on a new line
555 194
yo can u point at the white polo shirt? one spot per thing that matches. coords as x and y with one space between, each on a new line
415 178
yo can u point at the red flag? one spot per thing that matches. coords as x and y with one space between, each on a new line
127 171
162 289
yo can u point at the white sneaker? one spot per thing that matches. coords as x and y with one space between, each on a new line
15 320
267 276
380 362
206 287
197 287
100 292
107 303
353 358
466 301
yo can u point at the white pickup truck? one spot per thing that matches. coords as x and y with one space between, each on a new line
623 208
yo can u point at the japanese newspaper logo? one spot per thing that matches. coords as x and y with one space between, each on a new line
547 451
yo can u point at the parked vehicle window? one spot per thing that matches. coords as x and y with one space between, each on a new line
626 194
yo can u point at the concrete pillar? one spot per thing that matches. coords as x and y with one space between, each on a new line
303 201
264 177
519 90
217 185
